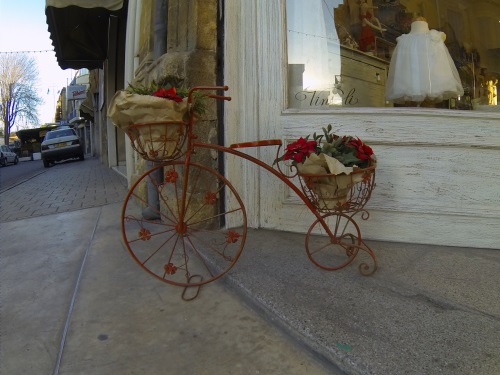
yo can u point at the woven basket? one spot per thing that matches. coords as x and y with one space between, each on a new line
158 141
346 193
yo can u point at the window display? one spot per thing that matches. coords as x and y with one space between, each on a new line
371 53
421 67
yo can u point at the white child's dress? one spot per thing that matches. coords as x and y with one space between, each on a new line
422 68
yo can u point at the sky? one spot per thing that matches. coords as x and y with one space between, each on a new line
23 27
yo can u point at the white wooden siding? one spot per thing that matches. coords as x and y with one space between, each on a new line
438 176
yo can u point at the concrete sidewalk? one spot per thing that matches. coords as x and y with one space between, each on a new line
72 301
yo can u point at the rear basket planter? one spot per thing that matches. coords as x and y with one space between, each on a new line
339 192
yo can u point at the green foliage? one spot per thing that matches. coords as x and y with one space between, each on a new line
336 147
167 82
164 82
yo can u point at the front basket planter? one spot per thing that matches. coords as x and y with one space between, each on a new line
339 192
156 127
158 141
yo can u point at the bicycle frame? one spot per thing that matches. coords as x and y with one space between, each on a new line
191 145
167 246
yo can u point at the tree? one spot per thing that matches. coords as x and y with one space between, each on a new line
18 95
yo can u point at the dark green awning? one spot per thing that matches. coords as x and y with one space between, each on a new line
79 30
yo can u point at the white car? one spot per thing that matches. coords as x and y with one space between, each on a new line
7 156
61 144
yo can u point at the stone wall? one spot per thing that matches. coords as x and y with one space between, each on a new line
191 55
191 51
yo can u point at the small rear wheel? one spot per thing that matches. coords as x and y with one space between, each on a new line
336 247
16 160
46 163
334 241
186 240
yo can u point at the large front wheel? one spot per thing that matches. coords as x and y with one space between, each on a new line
184 223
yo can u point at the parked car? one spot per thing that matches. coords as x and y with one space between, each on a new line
7 156
61 144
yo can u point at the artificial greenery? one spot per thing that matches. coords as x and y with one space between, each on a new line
172 88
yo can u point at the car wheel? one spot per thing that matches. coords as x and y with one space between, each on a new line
46 163
16 160
3 162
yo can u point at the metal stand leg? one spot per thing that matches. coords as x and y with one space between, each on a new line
152 211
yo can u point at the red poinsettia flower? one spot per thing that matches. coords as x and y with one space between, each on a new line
167 94
299 150
363 152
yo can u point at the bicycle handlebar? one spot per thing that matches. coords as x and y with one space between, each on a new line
209 88
228 98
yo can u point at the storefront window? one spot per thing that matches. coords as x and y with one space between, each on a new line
387 53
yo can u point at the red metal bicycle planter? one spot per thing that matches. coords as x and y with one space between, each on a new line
200 224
